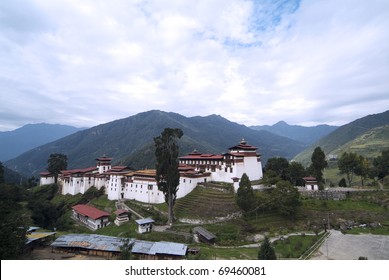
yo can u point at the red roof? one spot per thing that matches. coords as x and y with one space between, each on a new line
90 211
199 156
243 146
79 170
310 179
121 211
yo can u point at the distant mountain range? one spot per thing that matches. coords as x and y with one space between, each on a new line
367 136
16 142
129 141
304 134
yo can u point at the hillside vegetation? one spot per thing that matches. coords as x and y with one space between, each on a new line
368 134
129 141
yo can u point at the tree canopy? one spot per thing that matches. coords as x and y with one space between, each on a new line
167 174
319 162
245 195
266 251
56 163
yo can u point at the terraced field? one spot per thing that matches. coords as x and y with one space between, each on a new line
206 202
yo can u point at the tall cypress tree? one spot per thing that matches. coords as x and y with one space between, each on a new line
319 162
167 174
266 251
245 194
56 163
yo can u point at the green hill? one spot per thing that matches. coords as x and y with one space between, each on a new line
129 141
348 133
369 144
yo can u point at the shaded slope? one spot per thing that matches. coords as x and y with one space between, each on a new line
130 141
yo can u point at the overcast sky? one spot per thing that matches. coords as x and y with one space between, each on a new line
85 63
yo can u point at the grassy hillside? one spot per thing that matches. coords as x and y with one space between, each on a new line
369 144
362 129
206 203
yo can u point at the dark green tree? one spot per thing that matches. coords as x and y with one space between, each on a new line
347 164
279 165
342 183
286 198
381 164
167 174
13 225
362 169
126 249
266 251
245 195
1 173
296 172
56 163
318 164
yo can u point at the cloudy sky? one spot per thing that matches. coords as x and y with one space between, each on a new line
88 62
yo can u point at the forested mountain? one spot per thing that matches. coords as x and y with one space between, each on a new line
14 143
304 134
332 143
129 141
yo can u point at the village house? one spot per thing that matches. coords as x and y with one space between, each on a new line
122 216
311 184
92 217
144 225
120 182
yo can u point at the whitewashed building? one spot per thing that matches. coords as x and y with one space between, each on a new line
122 183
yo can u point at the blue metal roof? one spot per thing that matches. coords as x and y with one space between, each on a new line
144 221
162 247
113 244
90 241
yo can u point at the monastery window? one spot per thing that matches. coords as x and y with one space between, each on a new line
150 187
184 180
190 181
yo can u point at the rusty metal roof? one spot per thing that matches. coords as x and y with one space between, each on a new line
90 242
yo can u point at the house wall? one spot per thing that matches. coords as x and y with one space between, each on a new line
47 180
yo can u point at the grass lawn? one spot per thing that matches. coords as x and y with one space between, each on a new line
294 246
215 253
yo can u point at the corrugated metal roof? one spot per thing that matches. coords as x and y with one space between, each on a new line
144 221
113 244
90 242
156 248
202 231
37 235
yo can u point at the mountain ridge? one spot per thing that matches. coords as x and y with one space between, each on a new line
304 134
126 138
29 136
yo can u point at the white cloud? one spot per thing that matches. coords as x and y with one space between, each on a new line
254 62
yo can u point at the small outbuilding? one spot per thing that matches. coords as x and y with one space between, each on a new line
144 225
311 184
204 235
122 216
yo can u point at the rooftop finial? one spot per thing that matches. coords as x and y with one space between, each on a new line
243 141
